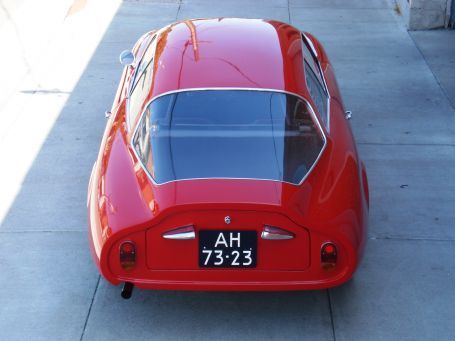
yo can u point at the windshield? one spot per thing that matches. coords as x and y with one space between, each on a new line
242 134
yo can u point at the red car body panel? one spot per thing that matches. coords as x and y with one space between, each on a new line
330 205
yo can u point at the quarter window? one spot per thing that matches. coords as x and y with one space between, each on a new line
311 60
146 58
317 93
315 82
141 86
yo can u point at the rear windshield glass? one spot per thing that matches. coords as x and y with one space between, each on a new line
240 134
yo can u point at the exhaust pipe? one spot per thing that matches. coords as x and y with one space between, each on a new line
127 290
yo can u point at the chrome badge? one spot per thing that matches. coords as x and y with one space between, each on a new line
227 219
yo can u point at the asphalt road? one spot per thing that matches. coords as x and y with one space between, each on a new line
401 89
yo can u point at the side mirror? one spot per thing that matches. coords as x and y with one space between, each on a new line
126 57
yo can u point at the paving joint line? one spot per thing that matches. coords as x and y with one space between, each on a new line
289 12
39 231
178 10
341 8
431 70
331 314
407 144
418 239
382 21
90 308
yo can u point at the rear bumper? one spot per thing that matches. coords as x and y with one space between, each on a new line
276 281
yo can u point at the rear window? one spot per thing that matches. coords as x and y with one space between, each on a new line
241 134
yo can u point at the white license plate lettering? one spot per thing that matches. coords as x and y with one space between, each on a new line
219 257
247 256
236 255
208 253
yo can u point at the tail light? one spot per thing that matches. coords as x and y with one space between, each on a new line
127 255
329 255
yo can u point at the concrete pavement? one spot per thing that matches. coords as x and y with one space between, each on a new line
400 89
438 49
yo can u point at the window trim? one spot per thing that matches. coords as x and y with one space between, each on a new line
313 115
314 55
315 79
133 84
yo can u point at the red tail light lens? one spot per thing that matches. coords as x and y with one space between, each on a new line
127 255
329 255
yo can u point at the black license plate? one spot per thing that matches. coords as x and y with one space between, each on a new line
227 249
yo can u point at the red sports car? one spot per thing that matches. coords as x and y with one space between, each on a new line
227 164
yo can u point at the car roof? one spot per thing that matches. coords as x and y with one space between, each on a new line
228 53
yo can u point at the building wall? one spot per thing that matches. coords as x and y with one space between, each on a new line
426 14
452 15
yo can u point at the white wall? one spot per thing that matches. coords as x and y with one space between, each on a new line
425 14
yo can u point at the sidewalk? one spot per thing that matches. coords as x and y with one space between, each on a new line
401 89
